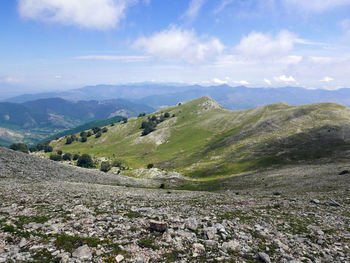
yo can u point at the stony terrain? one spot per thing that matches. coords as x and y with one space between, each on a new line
66 214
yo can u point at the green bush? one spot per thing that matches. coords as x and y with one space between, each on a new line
67 157
48 148
69 140
85 161
105 167
96 129
55 157
150 165
21 147
33 148
98 134
83 139
105 129
166 115
59 152
76 157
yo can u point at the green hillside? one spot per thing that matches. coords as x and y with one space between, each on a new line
200 139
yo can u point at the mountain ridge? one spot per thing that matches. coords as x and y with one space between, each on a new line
203 140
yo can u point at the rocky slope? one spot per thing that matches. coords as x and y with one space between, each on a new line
51 212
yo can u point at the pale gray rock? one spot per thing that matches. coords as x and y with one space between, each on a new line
82 253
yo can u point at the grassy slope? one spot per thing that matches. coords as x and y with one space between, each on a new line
206 141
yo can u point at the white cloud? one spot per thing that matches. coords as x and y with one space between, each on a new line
117 58
268 82
258 44
10 80
316 5
284 78
222 5
241 82
219 81
58 76
175 44
193 9
93 14
326 79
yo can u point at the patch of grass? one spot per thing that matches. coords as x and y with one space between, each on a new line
70 243
44 256
23 220
133 214
148 243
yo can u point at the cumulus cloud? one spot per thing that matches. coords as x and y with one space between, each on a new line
92 14
175 44
326 79
193 9
316 5
258 44
241 82
268 82
284 78
219 81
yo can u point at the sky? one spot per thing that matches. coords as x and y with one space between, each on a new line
64 44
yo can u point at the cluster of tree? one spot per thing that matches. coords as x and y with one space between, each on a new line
59 156
84 160
71 138
152 122
97 131
21 147
41 147
142 115
106 165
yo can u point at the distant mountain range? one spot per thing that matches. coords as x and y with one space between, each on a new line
32 121
233 98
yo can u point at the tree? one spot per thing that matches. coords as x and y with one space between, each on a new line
105 129
48 148
125 120
98 135
55 157
83 134
85 161
150 165
59 152
33 148
105 167
67 157
83 139
76 157
89 133
21 147
166 115
96 129
69 140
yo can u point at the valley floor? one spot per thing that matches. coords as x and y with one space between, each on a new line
60 221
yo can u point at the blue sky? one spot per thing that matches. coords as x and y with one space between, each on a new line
62 44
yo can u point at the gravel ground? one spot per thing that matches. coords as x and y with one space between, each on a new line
56 213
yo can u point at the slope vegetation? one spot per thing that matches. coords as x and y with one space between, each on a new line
205 141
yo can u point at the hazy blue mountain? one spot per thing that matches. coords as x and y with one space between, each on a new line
237 98
106 92
158 95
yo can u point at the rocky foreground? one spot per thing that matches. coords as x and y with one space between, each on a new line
66 221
